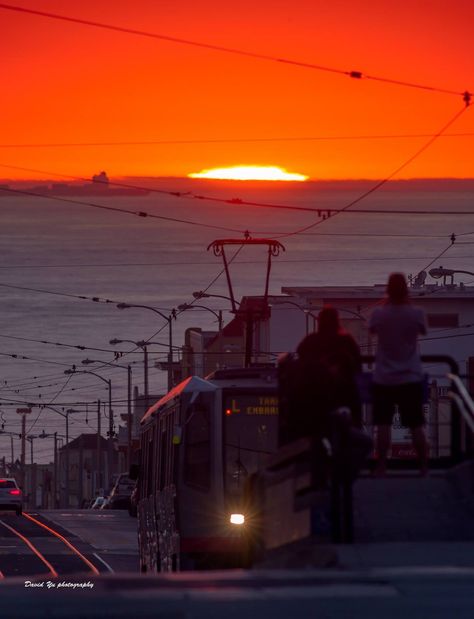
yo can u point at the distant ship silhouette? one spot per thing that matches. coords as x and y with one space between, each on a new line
98 186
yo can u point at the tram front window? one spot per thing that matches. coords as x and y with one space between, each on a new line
250 436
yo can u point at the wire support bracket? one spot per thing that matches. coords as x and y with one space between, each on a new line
274 248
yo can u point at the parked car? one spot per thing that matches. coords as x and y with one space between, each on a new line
119 497
11 496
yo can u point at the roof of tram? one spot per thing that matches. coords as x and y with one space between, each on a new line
192 383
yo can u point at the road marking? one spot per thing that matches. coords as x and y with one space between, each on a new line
91 566
104 562
31 547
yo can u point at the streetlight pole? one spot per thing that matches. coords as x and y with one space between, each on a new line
143 346
64 414
129 401
55 464
218 315
169 319
31 438
108 382
187 306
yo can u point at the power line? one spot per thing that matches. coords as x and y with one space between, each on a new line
49 403
240 52
23 357
282 261
322 138
379 184
322 212
440 254
115 209
63 345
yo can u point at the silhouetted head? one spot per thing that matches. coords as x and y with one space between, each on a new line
397 289
328 321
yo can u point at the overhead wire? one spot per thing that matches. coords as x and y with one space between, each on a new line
353 74
322 138
63 345
68 378
385 180
124 211
25 358
324 212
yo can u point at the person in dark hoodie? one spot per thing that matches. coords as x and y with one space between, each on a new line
334 353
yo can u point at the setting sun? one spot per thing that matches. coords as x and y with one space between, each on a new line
250 173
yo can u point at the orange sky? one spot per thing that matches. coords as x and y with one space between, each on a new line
64 82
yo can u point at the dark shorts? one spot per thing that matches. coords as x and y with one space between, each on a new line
408 397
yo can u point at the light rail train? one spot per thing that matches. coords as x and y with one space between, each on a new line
200 447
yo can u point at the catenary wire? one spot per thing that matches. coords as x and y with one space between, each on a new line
379 184
229 50
321 211
88 204
393 136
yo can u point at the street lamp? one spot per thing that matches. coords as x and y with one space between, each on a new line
444 273
169 320
111 414
187 306
200 294
129 402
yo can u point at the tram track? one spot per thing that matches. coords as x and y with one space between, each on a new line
38 550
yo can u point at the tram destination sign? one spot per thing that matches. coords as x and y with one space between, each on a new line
254 404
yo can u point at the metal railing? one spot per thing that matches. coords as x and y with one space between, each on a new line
463 400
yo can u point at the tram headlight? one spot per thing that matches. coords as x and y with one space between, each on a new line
238 519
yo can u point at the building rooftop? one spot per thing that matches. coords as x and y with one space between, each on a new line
377 291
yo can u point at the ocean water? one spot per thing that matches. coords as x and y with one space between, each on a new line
70 249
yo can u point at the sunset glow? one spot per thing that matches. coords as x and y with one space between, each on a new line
97 107
250 173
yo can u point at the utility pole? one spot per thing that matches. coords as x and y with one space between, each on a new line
55 483
80 493
129 417
23 412
13 452
147 391
66 501
99 440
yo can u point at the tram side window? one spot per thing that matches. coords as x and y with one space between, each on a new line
163 457
197 452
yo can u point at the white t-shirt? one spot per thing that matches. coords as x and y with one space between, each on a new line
397 328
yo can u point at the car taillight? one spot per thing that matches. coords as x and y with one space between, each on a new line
16 492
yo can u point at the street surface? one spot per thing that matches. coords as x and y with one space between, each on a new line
105 539
413 559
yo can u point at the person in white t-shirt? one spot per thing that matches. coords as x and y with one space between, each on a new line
398 375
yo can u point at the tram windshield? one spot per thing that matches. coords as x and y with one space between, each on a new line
250 436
